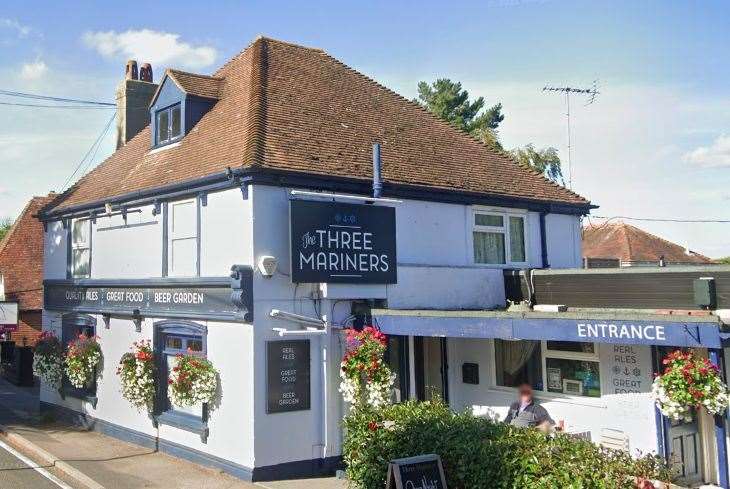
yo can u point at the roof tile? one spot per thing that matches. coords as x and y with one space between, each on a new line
292 108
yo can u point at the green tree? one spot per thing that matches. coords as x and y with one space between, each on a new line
5 224
724 260
447 100
545 161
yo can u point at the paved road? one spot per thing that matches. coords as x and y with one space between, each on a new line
17 472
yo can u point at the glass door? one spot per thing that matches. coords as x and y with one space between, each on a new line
431 368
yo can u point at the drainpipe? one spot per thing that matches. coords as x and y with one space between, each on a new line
377 181
718 358
543 241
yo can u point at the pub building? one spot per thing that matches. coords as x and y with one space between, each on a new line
250 216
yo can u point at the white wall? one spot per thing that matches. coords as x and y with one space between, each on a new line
617 408
55 247
435 270
564 242
131 250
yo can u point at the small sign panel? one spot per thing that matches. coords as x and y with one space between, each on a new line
332 242
8 317
422 472
288 376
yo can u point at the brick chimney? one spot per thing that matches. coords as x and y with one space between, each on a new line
133 95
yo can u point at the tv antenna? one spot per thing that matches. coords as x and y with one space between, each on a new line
591 94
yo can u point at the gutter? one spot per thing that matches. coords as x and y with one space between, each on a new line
281 178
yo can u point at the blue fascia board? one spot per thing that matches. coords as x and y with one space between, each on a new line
640 332
290 179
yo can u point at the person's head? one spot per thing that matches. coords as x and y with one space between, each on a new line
524 390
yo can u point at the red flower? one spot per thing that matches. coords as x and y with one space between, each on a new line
373 426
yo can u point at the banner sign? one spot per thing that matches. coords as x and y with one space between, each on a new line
8 317
196 298
422 472
288 376
634 332
332 242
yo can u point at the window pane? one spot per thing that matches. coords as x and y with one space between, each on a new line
518 362
175 132
574 377
488 247
573 346
163 129
195 410
184 219
183 257
517 239
394 353
173 343
488 220
195 345
80 262
80 232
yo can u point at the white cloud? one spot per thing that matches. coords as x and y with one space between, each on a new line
148 46
715 155
34 70
15 26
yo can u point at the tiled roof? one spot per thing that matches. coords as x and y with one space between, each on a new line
21 257
297 109
194 84
631 244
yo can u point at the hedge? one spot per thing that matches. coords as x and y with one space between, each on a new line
479 453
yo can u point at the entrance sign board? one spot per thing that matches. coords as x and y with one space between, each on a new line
288 376
422 472
8 316
333 242
695 334
194 298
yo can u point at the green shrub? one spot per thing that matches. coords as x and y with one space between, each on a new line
478 453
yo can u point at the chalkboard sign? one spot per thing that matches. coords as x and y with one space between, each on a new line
288 376
422 472
332 242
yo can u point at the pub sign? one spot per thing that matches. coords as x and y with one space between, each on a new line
333 242
8 316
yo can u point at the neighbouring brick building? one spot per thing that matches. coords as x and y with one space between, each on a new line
21 266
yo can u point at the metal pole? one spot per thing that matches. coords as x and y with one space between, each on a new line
717 357
570 160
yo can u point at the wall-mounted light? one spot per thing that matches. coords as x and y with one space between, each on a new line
267 265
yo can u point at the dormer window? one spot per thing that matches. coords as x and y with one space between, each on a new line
169 127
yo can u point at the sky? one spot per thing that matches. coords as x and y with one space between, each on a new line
654 144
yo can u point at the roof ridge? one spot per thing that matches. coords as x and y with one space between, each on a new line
462 131
6 239
664 240
190 73
254 147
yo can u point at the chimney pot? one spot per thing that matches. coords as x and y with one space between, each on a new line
145 72
131 71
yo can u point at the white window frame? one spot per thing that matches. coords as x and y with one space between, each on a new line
564 355
84 245
170 138
173 236
504 229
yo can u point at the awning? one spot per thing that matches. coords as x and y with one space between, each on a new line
582 326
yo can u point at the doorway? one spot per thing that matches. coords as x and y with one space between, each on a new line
686 450
432 367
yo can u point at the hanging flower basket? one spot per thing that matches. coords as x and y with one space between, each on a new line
82 358
136 372
366 378
193 380
48 359
689 382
